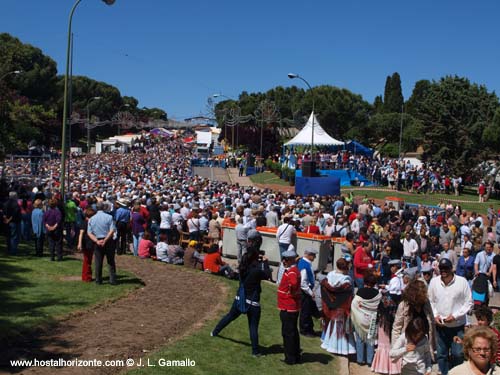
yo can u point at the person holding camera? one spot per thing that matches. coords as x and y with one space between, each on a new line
253 268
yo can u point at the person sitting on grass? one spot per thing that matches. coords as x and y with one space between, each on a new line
146 246
175 255
213 262
162 248
192 256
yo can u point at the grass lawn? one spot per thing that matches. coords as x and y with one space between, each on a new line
267 178
470 197
35 291
230 353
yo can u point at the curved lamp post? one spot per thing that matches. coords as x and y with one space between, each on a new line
13 72
65 98
293 76
218 95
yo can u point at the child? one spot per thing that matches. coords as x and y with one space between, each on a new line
414 348
162 248
146 246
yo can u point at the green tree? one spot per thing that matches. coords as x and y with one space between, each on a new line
378 104
491 132
454 114
38 78
393 95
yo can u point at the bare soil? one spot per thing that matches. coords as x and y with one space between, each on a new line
173 302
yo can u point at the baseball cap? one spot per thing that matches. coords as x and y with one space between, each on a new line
445 263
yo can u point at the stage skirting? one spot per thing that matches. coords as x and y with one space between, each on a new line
326 185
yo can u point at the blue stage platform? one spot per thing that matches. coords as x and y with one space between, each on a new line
345 176
326 185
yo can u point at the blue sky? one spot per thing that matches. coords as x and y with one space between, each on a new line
175 54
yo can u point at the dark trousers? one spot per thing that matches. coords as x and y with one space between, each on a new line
13 233
307 311
39 244
291 337
55 244
107 250
121 241
449 353
253 316
71 233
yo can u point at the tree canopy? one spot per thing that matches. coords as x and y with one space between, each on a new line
451 119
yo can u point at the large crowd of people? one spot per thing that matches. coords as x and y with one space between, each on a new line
401 295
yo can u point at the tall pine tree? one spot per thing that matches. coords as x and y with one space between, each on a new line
393 95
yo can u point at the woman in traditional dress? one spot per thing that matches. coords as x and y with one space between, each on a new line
364 308
336 296
385 318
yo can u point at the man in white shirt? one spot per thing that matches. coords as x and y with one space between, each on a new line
308 306
451 299
410 246
284 234
356 224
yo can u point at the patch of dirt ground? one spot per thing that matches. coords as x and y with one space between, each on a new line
172 303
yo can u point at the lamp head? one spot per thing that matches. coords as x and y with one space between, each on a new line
216 95
97 97
17 71
292 75
109 2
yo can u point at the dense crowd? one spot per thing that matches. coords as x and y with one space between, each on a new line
402 291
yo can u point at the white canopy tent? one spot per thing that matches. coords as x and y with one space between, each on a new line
321 137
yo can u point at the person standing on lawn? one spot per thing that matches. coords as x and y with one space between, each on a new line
289 306
253 268
101 230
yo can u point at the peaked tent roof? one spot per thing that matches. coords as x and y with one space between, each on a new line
321 137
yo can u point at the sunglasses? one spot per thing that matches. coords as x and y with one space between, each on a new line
444 269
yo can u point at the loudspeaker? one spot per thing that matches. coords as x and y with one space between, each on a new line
309 169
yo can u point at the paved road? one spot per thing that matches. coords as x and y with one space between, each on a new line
218 174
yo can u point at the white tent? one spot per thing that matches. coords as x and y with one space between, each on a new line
321 138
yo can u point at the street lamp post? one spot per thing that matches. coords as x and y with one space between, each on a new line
119 124
225 125
88 121
65 98
293 76
13 72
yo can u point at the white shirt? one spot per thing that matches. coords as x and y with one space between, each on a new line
453 299
395 285
285 233
409 247
355 226
304 281
193 225
166 220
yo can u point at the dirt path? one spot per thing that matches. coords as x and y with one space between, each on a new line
156 314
